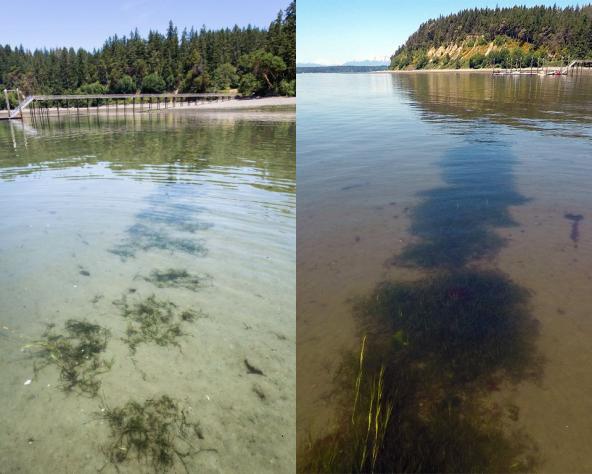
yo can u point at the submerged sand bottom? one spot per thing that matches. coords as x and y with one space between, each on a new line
83 237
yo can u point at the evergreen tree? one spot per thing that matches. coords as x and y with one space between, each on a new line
153 84
258 60
534 33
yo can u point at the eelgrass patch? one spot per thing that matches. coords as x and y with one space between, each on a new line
77 353
154 321
178 278
455 223
419 388
417 394
465 324
158 433
145 238
181 220
399 420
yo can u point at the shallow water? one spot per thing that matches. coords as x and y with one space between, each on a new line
91 210
402 176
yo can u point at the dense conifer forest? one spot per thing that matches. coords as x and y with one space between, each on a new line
503 37
250 59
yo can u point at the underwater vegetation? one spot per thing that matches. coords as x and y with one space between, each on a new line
178 278
403 414
166 224
575 226
77 354
180 220
142 237
416 398
170 207
464 324
157 432
154 321
455 224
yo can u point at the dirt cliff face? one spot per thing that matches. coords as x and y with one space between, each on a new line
458 54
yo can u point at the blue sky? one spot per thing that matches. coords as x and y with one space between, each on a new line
51 23
336 31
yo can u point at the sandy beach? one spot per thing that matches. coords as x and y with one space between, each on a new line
226 105
246 103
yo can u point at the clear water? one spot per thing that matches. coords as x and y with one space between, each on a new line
88 211
405 176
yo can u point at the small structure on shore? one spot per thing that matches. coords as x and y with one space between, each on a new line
577 65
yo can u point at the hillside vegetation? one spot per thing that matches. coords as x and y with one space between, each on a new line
500 37
254 60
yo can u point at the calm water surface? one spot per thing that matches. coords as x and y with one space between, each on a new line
94 216
405 177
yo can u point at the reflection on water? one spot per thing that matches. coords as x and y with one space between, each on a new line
451 364
143 260
558 106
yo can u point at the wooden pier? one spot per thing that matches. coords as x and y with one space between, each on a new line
42 106
574 67
580 64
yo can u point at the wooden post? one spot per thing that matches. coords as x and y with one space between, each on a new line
7 102
18 99
134 105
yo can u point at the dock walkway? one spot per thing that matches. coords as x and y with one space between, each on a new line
40 104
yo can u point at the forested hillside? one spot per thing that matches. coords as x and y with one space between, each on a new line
256 61
503 37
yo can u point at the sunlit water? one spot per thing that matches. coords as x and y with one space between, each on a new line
89 211
404 175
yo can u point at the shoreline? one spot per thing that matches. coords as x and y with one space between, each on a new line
488 70
223 106
236 104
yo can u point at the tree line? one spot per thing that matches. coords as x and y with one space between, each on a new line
519 34
250 59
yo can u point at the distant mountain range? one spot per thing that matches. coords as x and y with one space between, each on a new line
363 62
310 65
368 62
339 69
